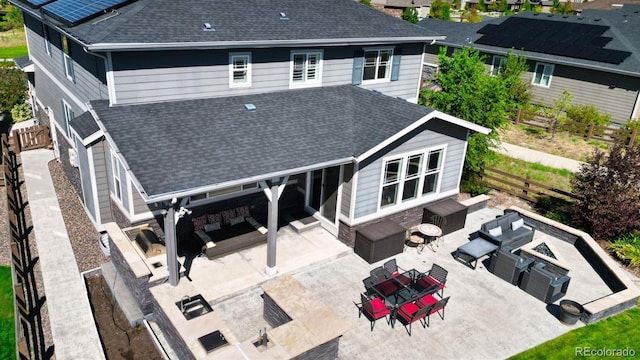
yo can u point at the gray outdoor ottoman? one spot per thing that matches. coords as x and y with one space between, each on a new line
474 250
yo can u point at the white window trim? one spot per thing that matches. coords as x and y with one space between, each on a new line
402 175
307 83
67 60
67 116
364 62
231 70
535 71
47 42
502 61
116 177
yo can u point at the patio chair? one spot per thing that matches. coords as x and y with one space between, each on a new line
379 274
544 285
410 313
368 285
393 270
437 275
414 239
509 266
441 222
436 306
373 309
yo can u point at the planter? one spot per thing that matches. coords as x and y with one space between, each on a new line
570 311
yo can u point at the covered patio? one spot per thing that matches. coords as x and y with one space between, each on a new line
486 317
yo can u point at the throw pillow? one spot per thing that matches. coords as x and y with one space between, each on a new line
517 224
212 227
199 222
496 231
236 220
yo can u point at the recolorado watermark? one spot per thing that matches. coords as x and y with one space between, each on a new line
586 351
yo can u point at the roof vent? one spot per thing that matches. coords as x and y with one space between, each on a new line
250 107
283 16
207 27
596 19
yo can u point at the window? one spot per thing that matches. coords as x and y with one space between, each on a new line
305 68
115 166
68 115
542 75
411 177
239 70
47 42
68 62
498 64
377 64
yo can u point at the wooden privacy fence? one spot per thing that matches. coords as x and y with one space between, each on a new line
30 343
521 187
33 137
588 132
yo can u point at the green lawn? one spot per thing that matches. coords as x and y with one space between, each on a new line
13 52
600 340
7 325
558 178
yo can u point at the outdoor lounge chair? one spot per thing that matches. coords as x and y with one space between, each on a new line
436 306
373 309
436 276
508 266
410 313
544 285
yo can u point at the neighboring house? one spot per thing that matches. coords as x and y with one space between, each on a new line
596 57
422 6
211 104
579 6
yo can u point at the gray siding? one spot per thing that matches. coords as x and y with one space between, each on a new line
85 176
611 93
347 187
102 180
161 76
89 70
434 133
123 181
139 206
431 54
51 96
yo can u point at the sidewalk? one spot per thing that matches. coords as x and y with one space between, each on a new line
74 332
534 156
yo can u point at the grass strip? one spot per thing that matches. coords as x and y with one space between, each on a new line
7 323
13 52
615 337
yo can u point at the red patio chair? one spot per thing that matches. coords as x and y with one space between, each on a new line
436 276
393 270
373 309
434 305
410 313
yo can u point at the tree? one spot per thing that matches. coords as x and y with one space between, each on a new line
503 6
366 2
13 88
13 19
469 92
526 6
440 10
410 14
517 90
608 193
482 6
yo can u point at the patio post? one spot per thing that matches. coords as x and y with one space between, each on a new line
273 194
171 245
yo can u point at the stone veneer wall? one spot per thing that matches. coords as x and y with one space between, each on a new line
139 287
170 333
328 350
118 216
625 293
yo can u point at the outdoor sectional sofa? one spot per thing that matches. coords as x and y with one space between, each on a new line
228 232
510 230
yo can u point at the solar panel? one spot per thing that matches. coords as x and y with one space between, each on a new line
37 3
72 12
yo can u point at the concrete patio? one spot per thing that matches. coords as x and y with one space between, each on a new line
486 317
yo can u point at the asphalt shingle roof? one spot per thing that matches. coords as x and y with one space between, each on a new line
219 140
85 125
172 21
624 31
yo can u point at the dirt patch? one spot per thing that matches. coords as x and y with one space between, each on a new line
119 340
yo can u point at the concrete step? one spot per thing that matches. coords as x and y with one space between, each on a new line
303 224
123 296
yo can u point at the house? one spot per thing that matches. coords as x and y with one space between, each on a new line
593 56
163 109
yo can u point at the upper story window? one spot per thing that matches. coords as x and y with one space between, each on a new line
239 70
542 75
377 64
306 68
68 115
498 64
46 36
117 177
411 176
68 62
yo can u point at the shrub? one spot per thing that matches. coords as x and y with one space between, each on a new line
410 14
21 112
627 249
588 114
608 192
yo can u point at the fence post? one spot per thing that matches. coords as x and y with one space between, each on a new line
518 114
527 185
590 132
17 146
633 137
